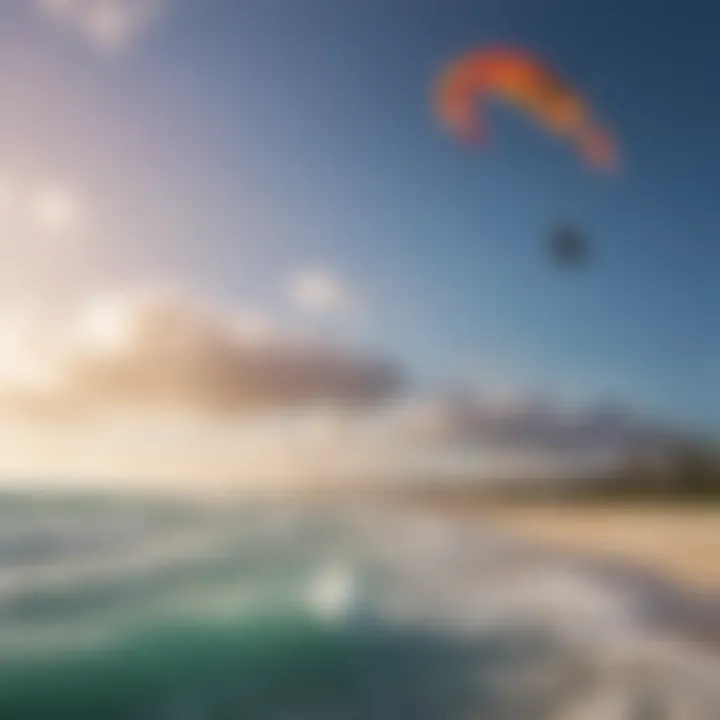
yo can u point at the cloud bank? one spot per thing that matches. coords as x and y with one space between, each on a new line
485 436
169 348
525 421
162 383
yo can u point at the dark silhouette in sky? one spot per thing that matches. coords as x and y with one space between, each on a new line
569 246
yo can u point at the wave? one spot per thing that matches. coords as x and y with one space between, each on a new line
131 609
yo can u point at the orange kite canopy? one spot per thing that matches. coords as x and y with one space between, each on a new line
521 79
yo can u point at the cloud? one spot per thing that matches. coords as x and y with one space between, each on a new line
37 208
167 384
55 210
528 426
168 348
321 292
109 25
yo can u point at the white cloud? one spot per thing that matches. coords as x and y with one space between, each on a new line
173 349
109 25
55 210
321 291
32 208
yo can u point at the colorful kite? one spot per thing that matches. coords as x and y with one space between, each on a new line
521 79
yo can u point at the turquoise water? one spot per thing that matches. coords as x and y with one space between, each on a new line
270 670
131 610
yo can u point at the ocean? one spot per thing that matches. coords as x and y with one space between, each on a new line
135 609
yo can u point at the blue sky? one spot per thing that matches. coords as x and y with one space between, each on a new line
232 142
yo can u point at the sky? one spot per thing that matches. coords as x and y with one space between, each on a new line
279 161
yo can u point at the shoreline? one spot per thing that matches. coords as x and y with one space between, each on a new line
679 543
667 558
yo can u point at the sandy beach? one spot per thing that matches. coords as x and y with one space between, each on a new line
680 543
